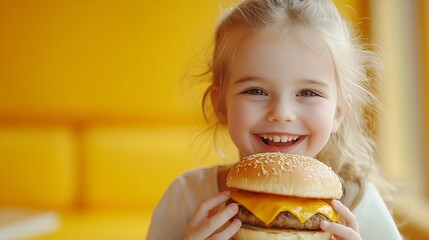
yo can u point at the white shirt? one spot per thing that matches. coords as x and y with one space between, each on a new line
171 216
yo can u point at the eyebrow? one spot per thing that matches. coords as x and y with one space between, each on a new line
315 82
246 78
304 81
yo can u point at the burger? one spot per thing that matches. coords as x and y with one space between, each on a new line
283 196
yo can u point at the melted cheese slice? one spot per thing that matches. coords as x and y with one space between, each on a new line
267 206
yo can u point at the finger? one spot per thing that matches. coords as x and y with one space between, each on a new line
211 225
214 223
340 231
230 230
346 214
204 207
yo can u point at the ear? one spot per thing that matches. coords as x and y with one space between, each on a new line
218 105
340 114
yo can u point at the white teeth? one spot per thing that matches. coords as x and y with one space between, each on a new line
276 138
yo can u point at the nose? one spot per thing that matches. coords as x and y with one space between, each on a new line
281 110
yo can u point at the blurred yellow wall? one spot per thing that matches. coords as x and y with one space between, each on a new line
89 60
423 18
400 30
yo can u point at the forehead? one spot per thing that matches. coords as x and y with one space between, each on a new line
280 53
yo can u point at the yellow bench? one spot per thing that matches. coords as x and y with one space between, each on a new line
104 181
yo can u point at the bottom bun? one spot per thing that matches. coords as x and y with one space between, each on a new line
272 234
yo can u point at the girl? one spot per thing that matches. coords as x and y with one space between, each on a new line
286 76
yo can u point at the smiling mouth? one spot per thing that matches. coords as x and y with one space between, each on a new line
279 141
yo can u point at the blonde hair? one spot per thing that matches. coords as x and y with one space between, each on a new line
350 151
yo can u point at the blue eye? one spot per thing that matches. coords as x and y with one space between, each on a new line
308 93
256 91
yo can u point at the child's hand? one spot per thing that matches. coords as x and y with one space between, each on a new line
204 226
349 231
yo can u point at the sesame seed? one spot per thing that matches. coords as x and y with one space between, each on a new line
274 170
264 171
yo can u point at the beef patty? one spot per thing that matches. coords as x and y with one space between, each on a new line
284 220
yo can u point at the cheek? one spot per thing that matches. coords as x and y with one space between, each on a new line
239 115
238 125
242 117
321 120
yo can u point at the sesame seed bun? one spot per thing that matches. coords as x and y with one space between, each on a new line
285 174
248 234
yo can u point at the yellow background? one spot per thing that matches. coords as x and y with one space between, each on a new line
90 60
98 108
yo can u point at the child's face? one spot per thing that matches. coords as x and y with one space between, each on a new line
281 96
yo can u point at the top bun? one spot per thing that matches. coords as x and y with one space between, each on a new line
285 174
